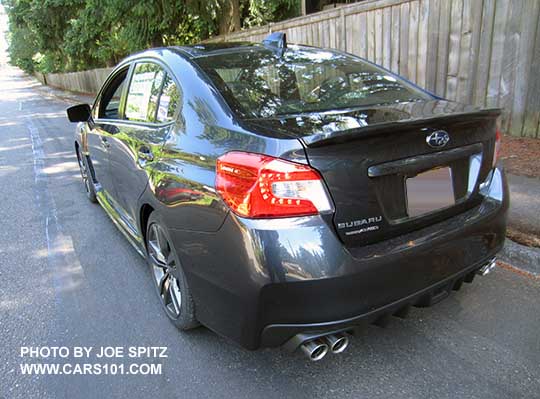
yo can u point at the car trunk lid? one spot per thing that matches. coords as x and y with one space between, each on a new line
383 176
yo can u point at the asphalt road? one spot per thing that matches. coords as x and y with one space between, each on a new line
69 278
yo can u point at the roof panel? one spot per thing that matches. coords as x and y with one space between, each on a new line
208 48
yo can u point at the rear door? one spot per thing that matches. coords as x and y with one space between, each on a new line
148 115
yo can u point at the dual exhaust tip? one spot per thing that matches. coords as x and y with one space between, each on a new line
488 267
317 348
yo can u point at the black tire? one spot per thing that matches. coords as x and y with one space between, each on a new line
86 175
168 276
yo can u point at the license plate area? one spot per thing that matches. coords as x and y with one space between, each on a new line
429 191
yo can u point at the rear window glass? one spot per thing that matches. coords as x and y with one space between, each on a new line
263 84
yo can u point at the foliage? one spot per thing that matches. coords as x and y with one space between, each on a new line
261 12
37 28
70 35
22 49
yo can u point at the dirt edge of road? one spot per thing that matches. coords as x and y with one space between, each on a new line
517 270
527 240
525 260
521 155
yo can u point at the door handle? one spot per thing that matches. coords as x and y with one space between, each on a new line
145 154
104 142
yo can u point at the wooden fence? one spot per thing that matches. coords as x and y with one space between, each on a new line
485 52
87 82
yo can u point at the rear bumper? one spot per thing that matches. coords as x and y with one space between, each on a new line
293 335
264 282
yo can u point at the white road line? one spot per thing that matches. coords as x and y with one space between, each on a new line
61 255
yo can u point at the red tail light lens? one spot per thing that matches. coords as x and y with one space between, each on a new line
260 186
497 148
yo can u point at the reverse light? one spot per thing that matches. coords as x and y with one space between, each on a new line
260 186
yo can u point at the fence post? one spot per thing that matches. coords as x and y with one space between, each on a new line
343 43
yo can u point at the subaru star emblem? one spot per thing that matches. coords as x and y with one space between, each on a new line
437 139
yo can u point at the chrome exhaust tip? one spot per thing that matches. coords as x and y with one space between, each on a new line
488 267
337 342
315 349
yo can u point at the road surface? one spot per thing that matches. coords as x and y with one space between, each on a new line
69 278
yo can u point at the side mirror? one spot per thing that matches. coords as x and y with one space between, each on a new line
79 113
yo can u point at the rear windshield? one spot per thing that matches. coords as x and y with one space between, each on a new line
262 84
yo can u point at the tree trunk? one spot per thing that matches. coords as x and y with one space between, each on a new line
157 40
229 20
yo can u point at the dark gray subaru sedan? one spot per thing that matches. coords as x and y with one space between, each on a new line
287 195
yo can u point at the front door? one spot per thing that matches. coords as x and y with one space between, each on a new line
100 134
98 145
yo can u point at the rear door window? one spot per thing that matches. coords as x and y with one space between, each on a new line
144 92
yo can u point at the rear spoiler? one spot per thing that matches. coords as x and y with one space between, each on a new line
321 139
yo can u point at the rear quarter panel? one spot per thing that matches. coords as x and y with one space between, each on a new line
181 179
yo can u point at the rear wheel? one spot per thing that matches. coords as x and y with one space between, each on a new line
168 276
86 175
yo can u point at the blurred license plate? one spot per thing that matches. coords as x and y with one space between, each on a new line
429 191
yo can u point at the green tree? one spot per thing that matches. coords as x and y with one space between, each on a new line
41 25
71 35
261 12
22 49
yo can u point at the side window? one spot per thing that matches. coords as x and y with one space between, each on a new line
144 92
109 103
168 102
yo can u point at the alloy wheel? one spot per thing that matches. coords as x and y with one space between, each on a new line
163 265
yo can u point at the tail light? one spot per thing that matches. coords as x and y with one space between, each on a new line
260 186
497 148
